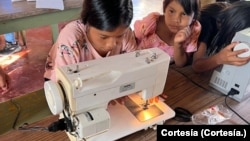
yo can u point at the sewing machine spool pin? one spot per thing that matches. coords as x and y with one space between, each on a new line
152 58
70 70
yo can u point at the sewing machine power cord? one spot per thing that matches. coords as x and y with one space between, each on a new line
231 92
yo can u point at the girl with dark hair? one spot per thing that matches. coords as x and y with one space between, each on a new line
103 30
220 21
175 31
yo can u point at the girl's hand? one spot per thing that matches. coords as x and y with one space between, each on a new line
182 35
230 57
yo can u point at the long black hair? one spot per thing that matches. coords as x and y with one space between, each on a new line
232 19
189 6
208 21
107 14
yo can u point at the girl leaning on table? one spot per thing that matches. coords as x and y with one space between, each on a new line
220 21
175 31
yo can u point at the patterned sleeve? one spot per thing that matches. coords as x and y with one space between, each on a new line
129 43
65 51
146 26
192 42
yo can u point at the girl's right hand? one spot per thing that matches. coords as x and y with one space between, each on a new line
230 57
182 35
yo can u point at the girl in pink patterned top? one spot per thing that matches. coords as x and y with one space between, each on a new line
103 30
176 31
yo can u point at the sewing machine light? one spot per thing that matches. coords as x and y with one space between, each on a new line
141 110
146 115
54 96
149 113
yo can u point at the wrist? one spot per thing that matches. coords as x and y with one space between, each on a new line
217 60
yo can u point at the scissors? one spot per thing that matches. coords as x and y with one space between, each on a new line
182 114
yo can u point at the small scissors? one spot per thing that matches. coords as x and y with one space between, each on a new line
182 114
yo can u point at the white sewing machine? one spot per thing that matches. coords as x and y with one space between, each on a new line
229 77
84 91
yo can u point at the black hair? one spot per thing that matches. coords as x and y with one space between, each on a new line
233 19
207 19
189 6
230 1
107 14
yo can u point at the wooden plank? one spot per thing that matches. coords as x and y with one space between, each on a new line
28 108
38 20
8 114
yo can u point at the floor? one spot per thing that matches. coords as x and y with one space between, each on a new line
26 68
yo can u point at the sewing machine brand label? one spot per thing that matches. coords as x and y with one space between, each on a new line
127 87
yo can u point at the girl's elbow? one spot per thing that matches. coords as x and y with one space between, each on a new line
180 64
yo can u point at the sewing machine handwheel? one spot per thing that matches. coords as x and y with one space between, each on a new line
54 97
243 46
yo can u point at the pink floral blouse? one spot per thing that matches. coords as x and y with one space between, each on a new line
145 33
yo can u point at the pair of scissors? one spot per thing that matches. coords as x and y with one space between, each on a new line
182 114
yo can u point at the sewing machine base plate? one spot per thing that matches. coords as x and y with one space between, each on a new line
124 123
138 110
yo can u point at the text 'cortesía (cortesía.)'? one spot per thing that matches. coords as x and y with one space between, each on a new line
202 132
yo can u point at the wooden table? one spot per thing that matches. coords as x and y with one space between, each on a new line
184 88
18 16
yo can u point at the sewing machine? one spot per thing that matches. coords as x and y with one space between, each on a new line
87 95
237 78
